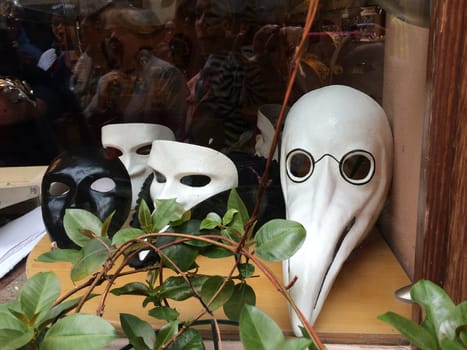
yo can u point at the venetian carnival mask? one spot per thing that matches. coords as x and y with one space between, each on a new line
84 179
336 162
189 173
132 143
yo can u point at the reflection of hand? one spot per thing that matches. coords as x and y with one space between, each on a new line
115 88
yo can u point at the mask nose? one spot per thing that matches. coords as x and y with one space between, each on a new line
132 164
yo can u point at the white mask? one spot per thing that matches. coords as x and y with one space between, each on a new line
267 117
189 173
134 142
325 131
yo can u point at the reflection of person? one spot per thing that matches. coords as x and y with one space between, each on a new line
217 91
92 63
143 87
26 133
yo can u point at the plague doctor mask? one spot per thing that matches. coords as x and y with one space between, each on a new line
189 173
336 162
84 179
132 143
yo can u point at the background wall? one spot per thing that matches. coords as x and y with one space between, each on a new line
404 100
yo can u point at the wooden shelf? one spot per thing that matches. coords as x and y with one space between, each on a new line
363 290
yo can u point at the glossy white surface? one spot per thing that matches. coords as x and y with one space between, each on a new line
131 139
177 160
337 209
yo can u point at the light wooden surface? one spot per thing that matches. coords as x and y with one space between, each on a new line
17 176
363 290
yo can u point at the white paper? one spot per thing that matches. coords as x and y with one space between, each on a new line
18 238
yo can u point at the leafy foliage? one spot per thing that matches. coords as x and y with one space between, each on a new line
40 319
33 318
444 326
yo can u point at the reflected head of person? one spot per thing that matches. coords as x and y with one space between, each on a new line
130 29
217 24
92 31
142 87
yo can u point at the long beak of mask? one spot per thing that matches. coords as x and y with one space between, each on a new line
335 171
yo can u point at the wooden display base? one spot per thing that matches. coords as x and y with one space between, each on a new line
363 290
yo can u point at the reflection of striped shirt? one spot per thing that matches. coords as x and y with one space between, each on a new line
223 90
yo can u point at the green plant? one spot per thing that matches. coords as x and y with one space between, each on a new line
41 319
444 326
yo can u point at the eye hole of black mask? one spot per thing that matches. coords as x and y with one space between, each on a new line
195 180
144 150
357 167
159 177
300 165
58 189
103 185
112 153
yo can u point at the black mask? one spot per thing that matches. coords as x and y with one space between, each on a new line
84 179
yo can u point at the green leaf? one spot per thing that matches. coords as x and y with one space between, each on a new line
165 334
242 295
462 329
211 221
140 333
13 333
296 344
215 252
132 288
279 239
106 225
60 309
258 331
306 334
414 333
437 305
176 287
232 233
246 270
210 294
79 332
39 293
192 228
235 202
12 339
77 221
229 216
450 344
181 255
164 313
144 217
188 340
93 256
126 234
68 255
167 210
185 218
